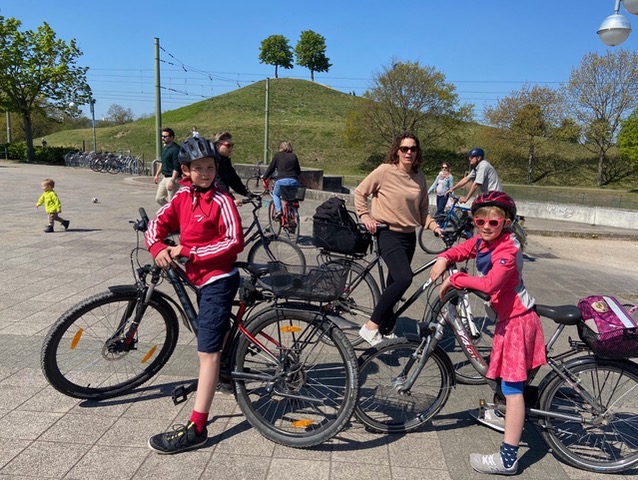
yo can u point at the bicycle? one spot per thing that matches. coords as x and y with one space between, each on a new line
585 406
293 371
458 223
288 221
268 247
356 304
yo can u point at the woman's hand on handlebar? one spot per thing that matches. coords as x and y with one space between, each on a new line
167 256
370 223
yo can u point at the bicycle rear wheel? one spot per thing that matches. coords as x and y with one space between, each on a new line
86 355
292 226
381 407
479 320
298 383
604 441
357 301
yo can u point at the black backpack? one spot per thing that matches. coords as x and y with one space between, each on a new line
335 229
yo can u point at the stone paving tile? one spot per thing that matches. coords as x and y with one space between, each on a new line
186 465
289 469
48 400
133 432
86 429
403 473
25 377
239 467
45 460
27 425
12 396
350 471
108 462
10 448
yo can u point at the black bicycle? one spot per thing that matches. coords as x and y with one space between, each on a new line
294 373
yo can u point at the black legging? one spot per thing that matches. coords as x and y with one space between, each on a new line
397 250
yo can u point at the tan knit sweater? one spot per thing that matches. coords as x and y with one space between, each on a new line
399 199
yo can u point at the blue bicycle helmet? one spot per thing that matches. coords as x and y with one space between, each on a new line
194 149
477 152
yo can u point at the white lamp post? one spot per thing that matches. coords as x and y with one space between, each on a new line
616 28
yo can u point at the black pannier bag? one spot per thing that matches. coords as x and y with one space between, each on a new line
335 229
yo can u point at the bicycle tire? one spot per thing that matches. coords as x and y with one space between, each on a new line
254 184
304 396
430 243
275 224
472 308
291 230
74 356
605 444
381 408
273 249
358 300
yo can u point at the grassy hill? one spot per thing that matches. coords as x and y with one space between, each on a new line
306 113
312 117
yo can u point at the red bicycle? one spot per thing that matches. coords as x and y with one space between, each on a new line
288 222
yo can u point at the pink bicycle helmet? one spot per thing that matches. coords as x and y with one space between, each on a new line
495 199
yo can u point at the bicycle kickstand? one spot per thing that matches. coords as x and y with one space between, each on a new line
180 394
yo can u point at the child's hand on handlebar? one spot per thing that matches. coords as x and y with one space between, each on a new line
167 256
438 268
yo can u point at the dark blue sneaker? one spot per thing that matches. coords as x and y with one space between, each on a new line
180 439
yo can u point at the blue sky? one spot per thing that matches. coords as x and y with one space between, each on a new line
487 48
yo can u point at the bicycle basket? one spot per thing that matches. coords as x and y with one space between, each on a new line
607 328
323 283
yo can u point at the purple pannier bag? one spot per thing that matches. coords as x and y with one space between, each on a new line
608 328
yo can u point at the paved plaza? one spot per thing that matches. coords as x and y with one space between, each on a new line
44 434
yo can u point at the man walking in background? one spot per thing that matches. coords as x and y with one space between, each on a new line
171 170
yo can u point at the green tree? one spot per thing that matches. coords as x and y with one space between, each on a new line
311 53
118 115
276 50
567 131
601 91
406 96
628 138
529 114
35 65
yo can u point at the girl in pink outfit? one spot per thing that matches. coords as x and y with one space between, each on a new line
519 345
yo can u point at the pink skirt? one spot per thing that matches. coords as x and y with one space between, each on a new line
518 347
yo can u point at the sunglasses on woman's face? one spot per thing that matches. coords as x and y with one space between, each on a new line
493 222
407 149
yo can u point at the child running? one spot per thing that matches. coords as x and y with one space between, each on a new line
211 236
52 205
519 344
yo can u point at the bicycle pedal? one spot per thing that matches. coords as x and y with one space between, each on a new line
180 394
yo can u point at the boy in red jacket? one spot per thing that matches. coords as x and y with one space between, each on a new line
211 236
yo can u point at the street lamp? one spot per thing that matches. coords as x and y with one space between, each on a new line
616 28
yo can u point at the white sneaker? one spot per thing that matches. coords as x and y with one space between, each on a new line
390 336
492 464
491 418
373 337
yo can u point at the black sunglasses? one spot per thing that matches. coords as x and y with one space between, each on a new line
408 149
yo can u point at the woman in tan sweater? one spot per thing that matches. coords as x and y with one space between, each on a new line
399 200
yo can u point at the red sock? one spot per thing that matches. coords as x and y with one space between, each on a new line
200 420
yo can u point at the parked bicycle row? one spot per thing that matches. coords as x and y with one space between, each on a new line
106 162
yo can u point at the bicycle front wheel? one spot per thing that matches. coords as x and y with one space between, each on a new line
89 354
382 406
479 320
357 301
297 382
603 440
430 243
253 184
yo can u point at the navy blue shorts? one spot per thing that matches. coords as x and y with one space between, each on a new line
215 302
